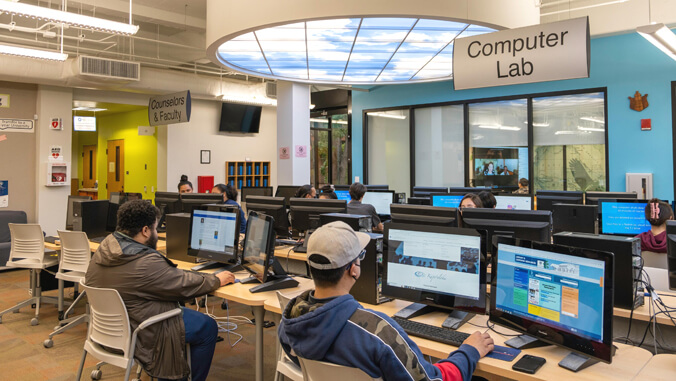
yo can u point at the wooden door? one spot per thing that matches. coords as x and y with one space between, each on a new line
115 165
89 166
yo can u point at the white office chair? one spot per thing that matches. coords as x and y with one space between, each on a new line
109 329
28 252
73 263
657 260
324 371
659 278
286 367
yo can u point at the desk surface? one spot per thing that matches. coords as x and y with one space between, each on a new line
659 368
642 313
93 246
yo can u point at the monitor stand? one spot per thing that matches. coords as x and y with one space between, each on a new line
576 362
525 342
216 265
274 282
454 320
303 248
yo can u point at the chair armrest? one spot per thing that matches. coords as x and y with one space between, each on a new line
158 318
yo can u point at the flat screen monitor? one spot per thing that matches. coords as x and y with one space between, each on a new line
305 211
240 118
343 195
286 191
191 200
499 166
84 123
671 253
254 191
380 199
371 187
557 294
70 210
271 206
129 196
592 198
467 190
214 233
168 203
341 187
545 199
426 191
437 266
116 198
623 217
575 218
446 200
424 215
515 202
418 201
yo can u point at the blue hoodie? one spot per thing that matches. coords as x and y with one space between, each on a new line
345 333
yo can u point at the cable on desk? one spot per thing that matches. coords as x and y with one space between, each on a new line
492 328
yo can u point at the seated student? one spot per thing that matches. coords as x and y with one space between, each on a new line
306 191
327 192
357 192
150 284
523 186
471 200
184 186
488 200
230 198
657 212
328 324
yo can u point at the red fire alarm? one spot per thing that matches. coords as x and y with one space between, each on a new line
645 125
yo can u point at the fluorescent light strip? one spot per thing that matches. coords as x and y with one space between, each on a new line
600 121
326 121
385 115
538 124
660 36
32 53
581 8
48 14
590 129
84 108
249 101
506 128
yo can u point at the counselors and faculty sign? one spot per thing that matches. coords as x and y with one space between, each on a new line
169 109
546 52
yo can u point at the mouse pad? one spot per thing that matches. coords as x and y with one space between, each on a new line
504 353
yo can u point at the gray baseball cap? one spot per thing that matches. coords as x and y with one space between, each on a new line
338 243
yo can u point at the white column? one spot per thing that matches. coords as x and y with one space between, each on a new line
52 202
293 132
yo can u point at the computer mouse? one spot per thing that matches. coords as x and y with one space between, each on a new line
236 281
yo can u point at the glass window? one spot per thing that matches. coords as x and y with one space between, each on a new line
569 142
319 141
389 149
498 143
439 146
339 149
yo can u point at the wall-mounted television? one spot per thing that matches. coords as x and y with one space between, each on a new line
240 118
84 123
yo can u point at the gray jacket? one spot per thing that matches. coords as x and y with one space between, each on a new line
149 284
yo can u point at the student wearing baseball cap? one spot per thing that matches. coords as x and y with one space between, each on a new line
328 324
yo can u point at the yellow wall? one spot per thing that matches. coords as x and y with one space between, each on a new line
139 151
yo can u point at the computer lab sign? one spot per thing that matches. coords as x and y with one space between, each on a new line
546 52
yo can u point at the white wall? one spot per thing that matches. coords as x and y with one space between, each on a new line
185 140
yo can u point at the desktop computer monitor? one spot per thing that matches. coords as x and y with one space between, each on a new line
592 198
424 215
168 203
214 235
575 218
427 191
116 198
466 190
190 201
380 199
418 201
69 211
258 255
91 217
556 294
286 191
305 211
545 199
341 187
446 200
370 187
622 217
671 254
129 196
272 206
343 195
513 201
254 191
440 267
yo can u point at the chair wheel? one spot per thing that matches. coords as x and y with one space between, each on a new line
48 343
34 321
96 374
224 305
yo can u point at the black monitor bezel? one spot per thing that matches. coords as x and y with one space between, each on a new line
428 191
293 188
269 250
244 190
296 206
608 195
515 323
430 298
423 214
620 200
375 187
559 197
279 205
380 191
532 201
211 255
190 201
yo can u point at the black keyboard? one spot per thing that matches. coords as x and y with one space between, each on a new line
97 239
431 332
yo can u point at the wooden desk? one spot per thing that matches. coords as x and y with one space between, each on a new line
659 368
641 313
93 246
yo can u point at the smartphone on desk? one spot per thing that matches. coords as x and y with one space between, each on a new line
529 364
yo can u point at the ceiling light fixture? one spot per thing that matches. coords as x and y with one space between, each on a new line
32 53
74 19
248 100
591 129
576 8
85 108
385 115
497 127
660 36
600 121
535 124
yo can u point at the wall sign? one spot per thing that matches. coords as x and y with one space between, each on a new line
545 52
55 153
284 153
169 109
55 124
17 125
4 100
301 151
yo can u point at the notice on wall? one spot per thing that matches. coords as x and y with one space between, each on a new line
301 151
55 153
4 193
169 109
284 153
4 100
545 52
17 125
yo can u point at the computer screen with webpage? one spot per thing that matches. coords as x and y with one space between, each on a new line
626 218
514 202
434 262
343 195
380 200
562 291
213 230
447 201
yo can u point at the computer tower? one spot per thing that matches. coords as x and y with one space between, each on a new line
368 288
627 251
178 231
359 223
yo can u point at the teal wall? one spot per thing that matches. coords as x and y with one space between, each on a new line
623 64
